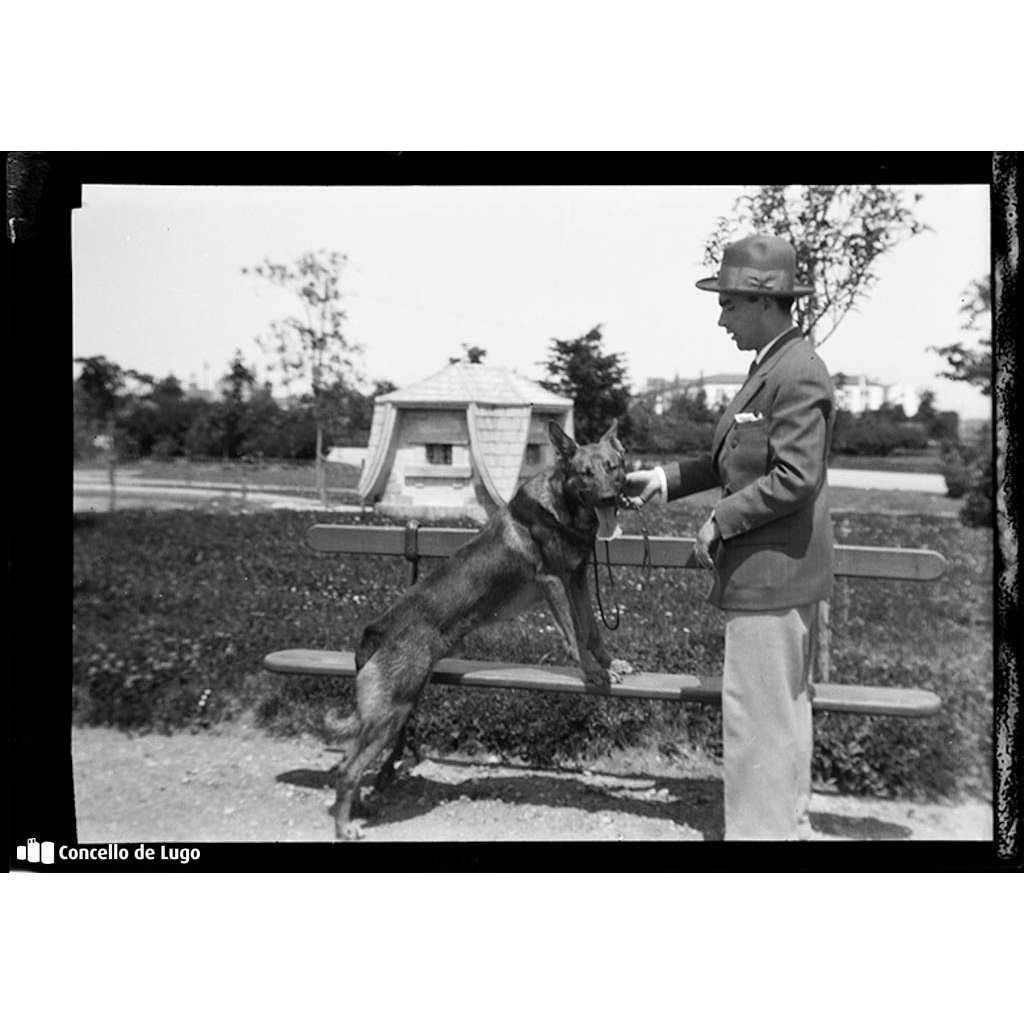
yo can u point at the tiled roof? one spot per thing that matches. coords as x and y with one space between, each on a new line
462 383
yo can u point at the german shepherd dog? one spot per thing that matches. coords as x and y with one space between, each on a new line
537 546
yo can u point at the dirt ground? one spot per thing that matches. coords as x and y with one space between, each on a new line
236 784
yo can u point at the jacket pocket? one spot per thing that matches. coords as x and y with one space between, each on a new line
745 454
750 425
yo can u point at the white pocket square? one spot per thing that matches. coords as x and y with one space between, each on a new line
748 417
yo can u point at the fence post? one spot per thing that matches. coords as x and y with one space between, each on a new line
112 472
822 642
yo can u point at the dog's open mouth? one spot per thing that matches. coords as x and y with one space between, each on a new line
607 526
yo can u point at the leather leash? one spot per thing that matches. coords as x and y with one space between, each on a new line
633 505
611 585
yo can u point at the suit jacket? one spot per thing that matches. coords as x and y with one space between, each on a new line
773 513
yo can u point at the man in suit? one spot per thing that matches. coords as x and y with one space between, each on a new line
768 539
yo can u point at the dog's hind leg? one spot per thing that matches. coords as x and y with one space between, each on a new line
384 709
406 735
374 738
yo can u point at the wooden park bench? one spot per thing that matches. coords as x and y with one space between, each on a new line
414 542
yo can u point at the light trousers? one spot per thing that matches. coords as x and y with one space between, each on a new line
766 723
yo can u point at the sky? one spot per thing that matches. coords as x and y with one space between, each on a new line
158 286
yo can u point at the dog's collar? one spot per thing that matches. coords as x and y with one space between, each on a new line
582 537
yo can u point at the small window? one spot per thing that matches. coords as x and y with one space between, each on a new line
439 454
533 455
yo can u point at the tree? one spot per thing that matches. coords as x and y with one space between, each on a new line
311 348
352 413
594 381
926 411
260 426
839 233
156 421
101 390
100 384
236 389
972 363
969 468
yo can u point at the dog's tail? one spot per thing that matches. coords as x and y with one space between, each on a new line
342 730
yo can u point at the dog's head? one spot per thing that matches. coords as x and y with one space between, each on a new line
595 474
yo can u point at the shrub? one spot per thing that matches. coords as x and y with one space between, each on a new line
979 508
166 448
968 472
956 470
878 432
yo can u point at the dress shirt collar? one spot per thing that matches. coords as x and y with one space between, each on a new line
759 358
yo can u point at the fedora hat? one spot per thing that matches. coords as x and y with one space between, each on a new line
758 265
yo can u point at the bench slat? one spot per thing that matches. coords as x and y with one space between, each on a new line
864 700
666 552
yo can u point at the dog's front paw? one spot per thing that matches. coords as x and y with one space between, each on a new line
619 669
349 833
595 674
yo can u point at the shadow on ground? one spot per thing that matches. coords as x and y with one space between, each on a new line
689 803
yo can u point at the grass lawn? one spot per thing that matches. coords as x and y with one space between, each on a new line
298 476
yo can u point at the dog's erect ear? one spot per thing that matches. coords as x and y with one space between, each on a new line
564 444
611 435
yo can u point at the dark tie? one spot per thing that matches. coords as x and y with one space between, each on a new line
753 367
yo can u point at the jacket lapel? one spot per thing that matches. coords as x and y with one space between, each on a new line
750 388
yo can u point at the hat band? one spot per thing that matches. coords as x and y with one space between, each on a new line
733 279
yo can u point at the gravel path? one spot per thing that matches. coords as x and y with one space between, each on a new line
236 784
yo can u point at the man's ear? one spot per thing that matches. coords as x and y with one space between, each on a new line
564 444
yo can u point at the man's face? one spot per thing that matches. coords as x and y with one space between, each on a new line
745 319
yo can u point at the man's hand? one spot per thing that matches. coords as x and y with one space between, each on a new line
707 537
643 484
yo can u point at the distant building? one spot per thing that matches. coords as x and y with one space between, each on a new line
459 442
719 389
854 394
861 394
192 392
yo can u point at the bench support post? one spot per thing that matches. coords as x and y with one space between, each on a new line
412 549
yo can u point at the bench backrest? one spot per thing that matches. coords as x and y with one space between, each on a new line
415 542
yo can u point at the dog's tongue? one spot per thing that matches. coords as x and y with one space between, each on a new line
607 527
